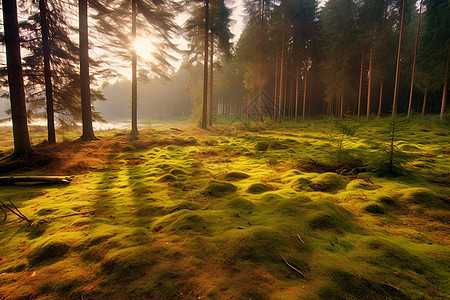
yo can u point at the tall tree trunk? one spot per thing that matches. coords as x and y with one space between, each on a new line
360 83
134 126
296 92
86 110
444 92
304 92
205 68
285 90
22 145
414 60
369 89
424 102
380 100
282 69
397 71
341 115
47 73
211 82
275 89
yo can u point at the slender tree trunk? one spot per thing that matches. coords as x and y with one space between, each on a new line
414 61
134 126
424 102
444 92
285 90
211 83
380 100
341 115
47 73
275 89
304 92
369 89
86 110
281 70
360 83
296 92
397 72
22 145
205 68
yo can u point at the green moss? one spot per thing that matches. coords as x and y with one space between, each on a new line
190 222
360 184
327 182
167 178
240 204
421 196
128 263
177 172
219 188
374 208
49 251
258 188
235 176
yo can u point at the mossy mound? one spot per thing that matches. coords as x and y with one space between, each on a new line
325 215
177 171
258 188
410 148
235 176
269 145
126 263
293 207
257 244
240 204
167 178
271 198
301 184
219 188
421 196
360 184
327 182
189 222
374 208
183 204
49 251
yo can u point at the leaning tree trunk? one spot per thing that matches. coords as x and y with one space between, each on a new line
444 92
360 83
86 110
397 70
369 89
205 68
47 73
414 61
424 102
134 126
211 81
22 145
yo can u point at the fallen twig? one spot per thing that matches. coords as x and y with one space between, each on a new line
300 238
3 212
386 283
293 268
18 213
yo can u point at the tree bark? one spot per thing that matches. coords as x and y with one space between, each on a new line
444 92
86 110
296 91
22 145
380 100
304 92
360 83
397 71
205 68
134 123
281 71
424 102
211 82
51 137
369 89
275 89
414 60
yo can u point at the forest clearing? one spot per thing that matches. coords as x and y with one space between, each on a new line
242 210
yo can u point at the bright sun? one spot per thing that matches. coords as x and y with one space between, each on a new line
144 47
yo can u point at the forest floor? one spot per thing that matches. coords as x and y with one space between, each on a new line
291 211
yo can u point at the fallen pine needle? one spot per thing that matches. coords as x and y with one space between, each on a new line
293 268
